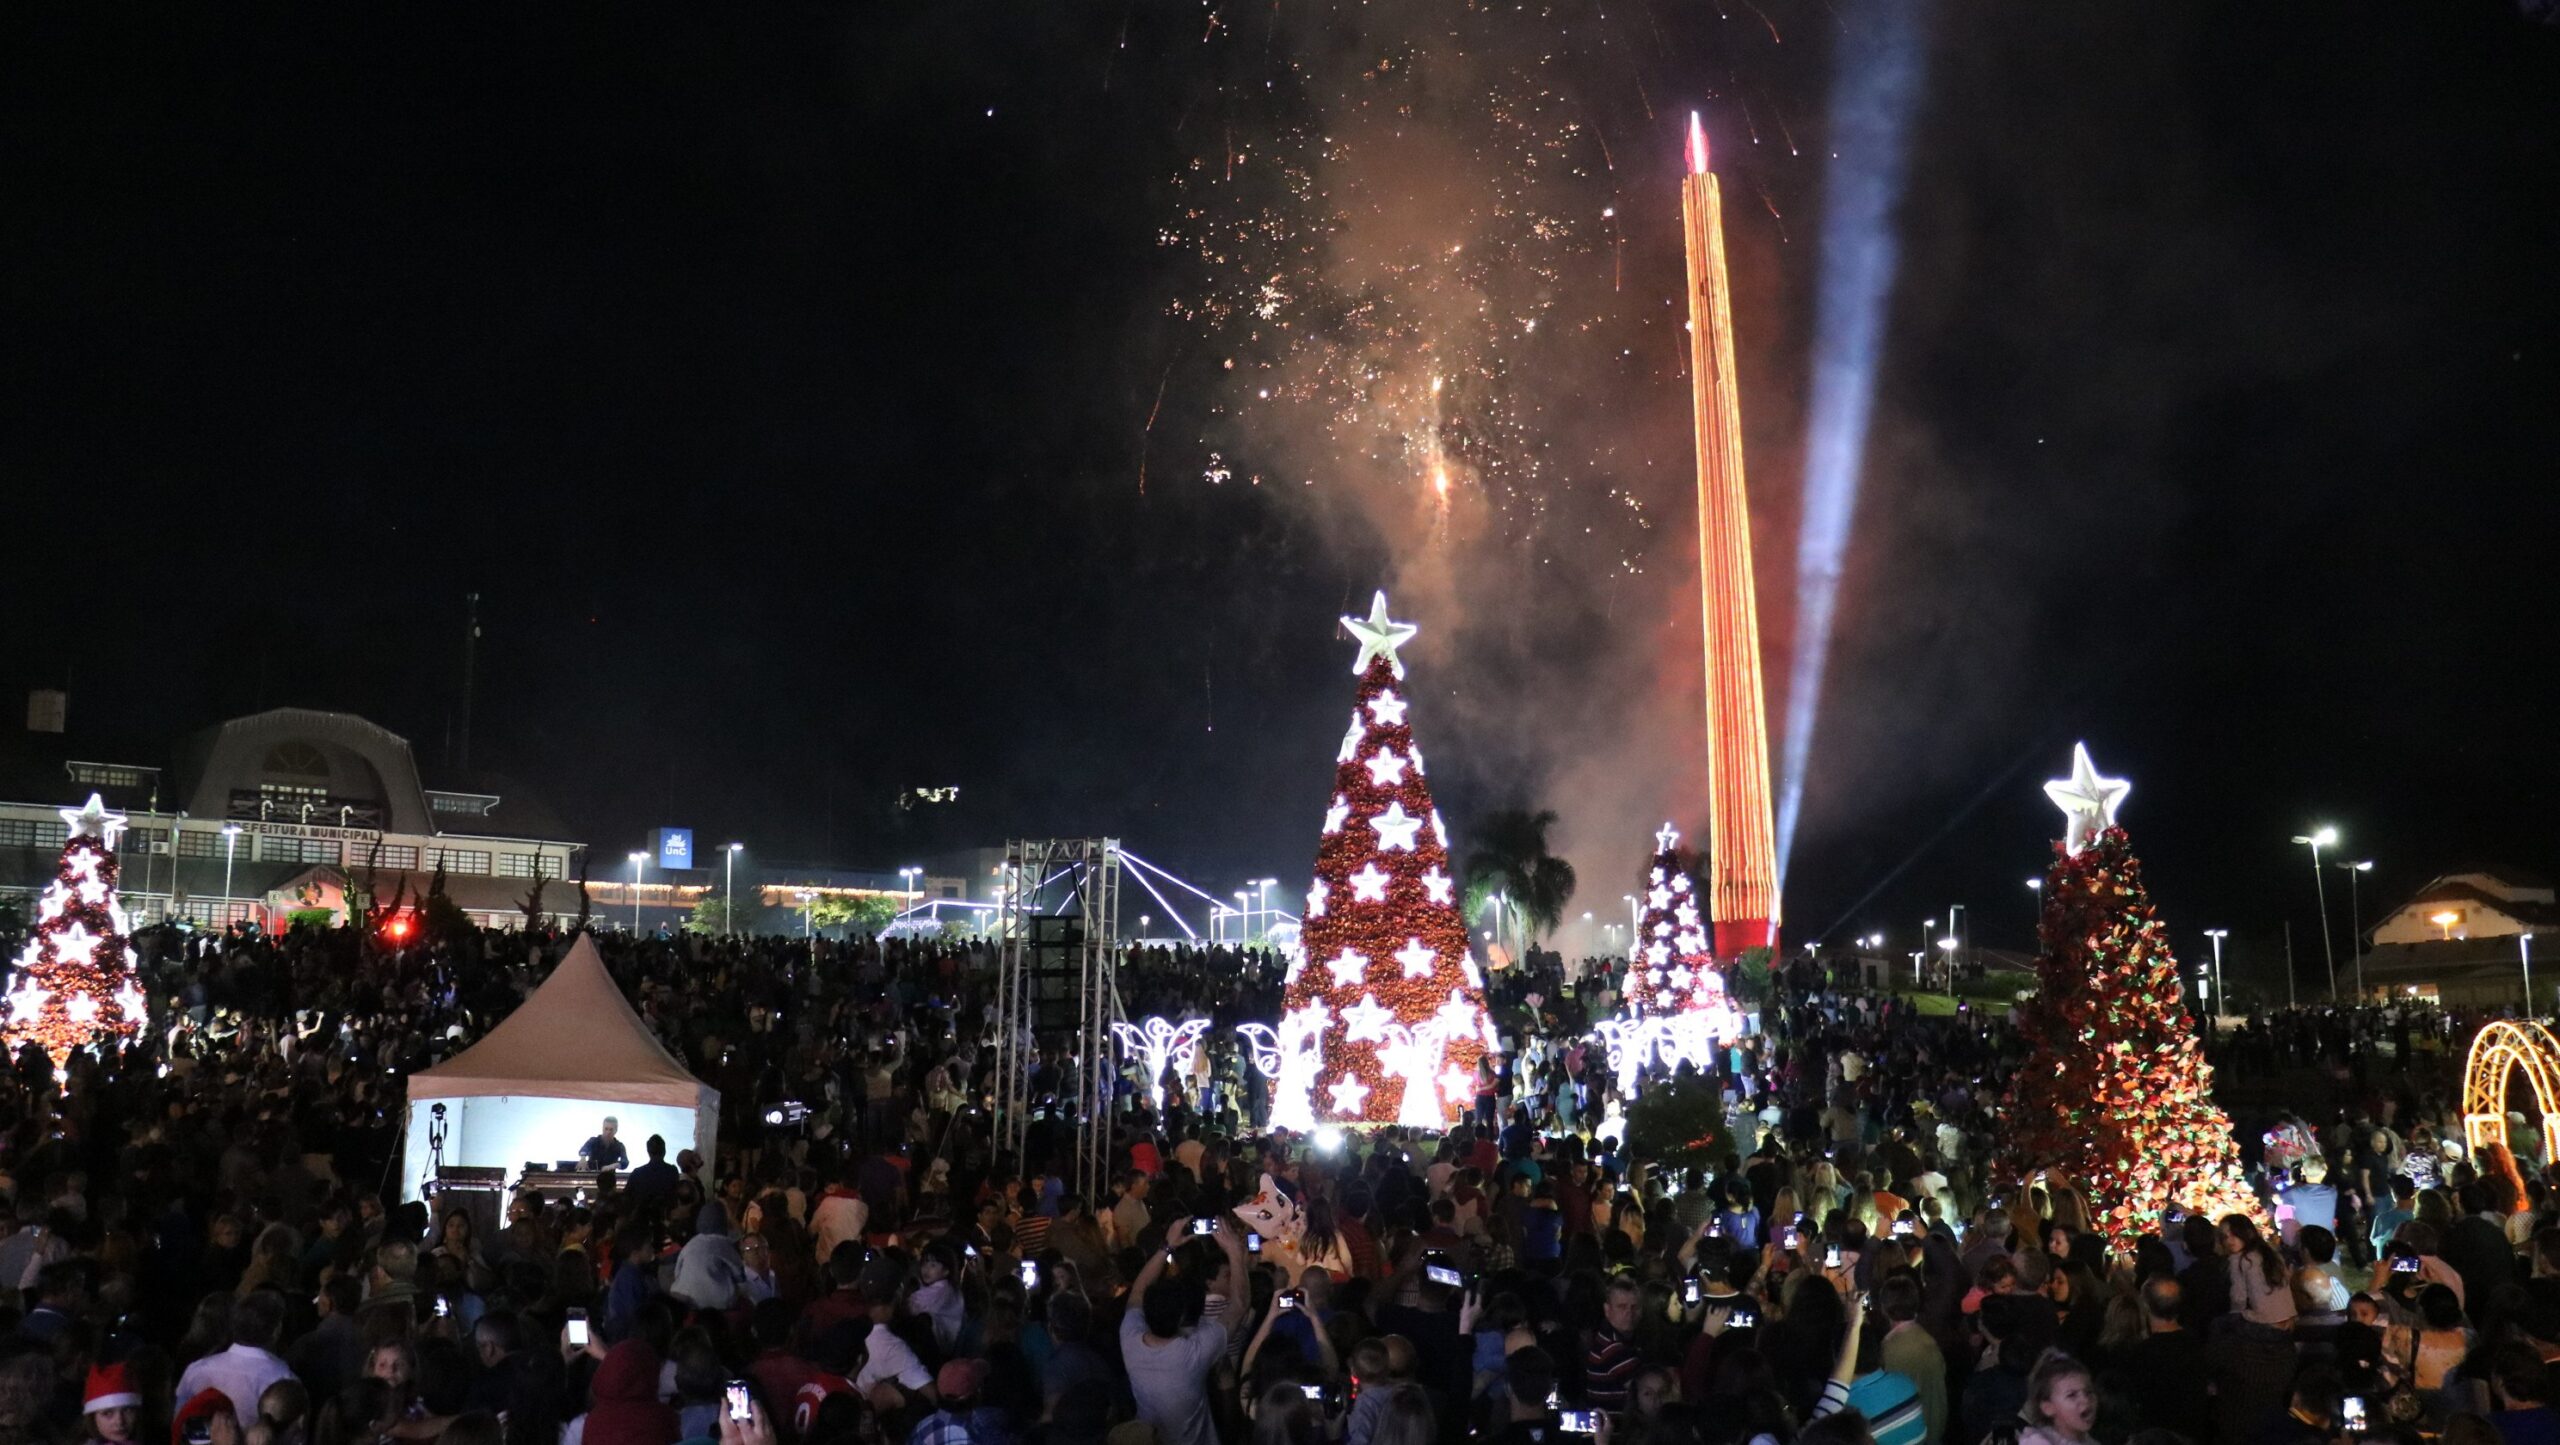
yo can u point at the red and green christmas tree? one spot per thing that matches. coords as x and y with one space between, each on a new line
1383 1018
2116 1094
76 981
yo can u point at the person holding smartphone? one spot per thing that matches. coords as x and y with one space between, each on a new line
1168 1359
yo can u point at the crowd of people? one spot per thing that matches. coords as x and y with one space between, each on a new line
204 1234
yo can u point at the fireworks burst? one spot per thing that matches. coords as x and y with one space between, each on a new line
1404 240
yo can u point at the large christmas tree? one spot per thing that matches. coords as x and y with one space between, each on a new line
2116 1093
1383 1019
76 981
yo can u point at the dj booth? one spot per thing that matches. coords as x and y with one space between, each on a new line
541 1082
482 1191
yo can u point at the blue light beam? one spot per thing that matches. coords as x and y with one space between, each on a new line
1878 74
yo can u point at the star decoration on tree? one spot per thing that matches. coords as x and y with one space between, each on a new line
1386 769
1315 899
1387 710
1369 885
1350 1096
1395 828
1350 740
1458 1086
92 820
1437 887
1416 958
1365 1021
1348 967
2088 801
1379 637
1665 841
1338 814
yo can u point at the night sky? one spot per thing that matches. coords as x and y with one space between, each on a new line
791 413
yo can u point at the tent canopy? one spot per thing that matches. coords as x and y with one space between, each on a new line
575 1038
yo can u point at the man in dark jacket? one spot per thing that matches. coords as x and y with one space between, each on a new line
2166 1371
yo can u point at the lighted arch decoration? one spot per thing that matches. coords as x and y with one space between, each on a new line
2498 1051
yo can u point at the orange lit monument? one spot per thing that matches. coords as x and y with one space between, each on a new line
1742 897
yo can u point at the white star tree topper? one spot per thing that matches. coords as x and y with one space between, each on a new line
1667 839
92 820
1379 637
2087 800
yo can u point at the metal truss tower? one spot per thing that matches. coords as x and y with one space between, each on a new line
1057 986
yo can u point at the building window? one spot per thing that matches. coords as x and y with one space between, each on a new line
467 805
202 843
32 833
464 860
216 912
110 775
527 865
389 855
142 842
298 760
290 798
272 849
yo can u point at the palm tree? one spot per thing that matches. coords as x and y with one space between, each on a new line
1509 859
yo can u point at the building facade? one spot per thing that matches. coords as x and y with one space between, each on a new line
284 811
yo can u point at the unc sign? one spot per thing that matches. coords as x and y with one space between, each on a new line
675 847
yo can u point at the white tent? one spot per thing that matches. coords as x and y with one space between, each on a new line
542 1081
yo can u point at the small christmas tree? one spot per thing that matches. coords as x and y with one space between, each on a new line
2116 1094
76 981
1671 969
1383 1019
1673 1008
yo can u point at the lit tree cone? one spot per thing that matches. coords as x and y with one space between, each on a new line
1385 1001
76 982
2116 1095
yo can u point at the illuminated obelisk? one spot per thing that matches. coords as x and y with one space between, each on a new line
1742 895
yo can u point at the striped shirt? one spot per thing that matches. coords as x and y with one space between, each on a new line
1890 1403
1608 1369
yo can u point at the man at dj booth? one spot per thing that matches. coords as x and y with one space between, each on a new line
605 1151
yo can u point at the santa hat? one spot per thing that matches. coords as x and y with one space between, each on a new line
202 1406
110 1388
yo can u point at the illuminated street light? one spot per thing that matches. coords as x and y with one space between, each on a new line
2355 919
637 859
2217 935
2524 948
2318 839
910 875
729 908
230 853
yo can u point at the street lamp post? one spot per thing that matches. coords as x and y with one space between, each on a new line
2319 839
2524 949
1244 917
909 876
1955 926
2355 920
638 861
1919 960
729 903
2217 935
1265 885
230 854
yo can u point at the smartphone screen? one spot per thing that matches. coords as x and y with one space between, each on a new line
1031 1274
578 1328
1312 1392
1289 1299
444 1307
1204 1226
1253 1243
1831 1257
1578 1422
739 1408
1689 1291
